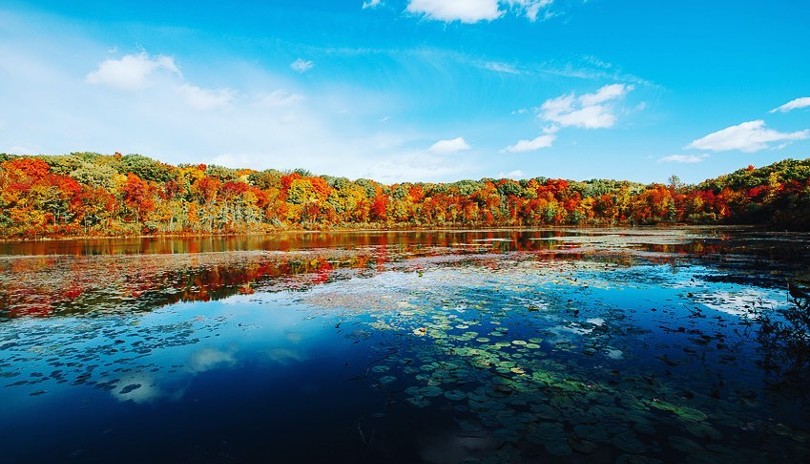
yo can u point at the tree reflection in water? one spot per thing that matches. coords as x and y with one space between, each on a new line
784 337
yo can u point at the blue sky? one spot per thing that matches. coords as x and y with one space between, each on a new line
417 90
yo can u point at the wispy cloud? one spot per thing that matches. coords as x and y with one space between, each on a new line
532 8
415 166
371 4
301 65
749 137
590 68
131 72
589 111
278 98
207 99
501 67
686 159
444 147
473 11
798 103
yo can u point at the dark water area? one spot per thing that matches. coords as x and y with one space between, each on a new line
560 345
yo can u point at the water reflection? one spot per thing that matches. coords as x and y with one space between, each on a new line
497 346
47 278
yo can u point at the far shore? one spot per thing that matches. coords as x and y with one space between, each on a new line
410 229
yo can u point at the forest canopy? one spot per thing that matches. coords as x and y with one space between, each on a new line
91 194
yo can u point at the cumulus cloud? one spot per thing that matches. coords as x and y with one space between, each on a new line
301 65
136 71
207 99
537 143
749 137
131 72
687 159
798 103
371 4
466 11
589 111
262 127
443 147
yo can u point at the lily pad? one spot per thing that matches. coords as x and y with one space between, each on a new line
455 395
419 401
431 390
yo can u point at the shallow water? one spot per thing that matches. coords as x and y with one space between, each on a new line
638 345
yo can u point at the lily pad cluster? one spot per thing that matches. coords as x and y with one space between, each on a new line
542 359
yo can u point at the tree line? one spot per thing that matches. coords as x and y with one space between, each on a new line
91 194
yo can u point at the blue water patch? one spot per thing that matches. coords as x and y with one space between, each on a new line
429 355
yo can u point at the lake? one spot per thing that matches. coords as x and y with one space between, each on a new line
555 345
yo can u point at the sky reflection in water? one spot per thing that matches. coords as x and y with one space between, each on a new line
600 346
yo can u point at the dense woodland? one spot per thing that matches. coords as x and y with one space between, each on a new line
89 194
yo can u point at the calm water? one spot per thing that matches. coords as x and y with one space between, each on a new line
627 346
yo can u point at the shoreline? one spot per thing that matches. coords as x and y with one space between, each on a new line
343 230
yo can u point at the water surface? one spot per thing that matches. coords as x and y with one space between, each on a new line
607 345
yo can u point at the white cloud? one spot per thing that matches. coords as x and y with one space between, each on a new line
473 11
207 359
206 99
688 159
501 67
132 71
414 166
262 127
138 388
443 147
537 143
301 65
589 111
749 137
285 356
371 4
516 174
606 93
798 103
466 11
531 8
278 98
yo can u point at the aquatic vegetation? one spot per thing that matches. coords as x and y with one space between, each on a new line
493 356
574 371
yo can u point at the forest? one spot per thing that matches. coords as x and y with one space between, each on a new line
94 195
